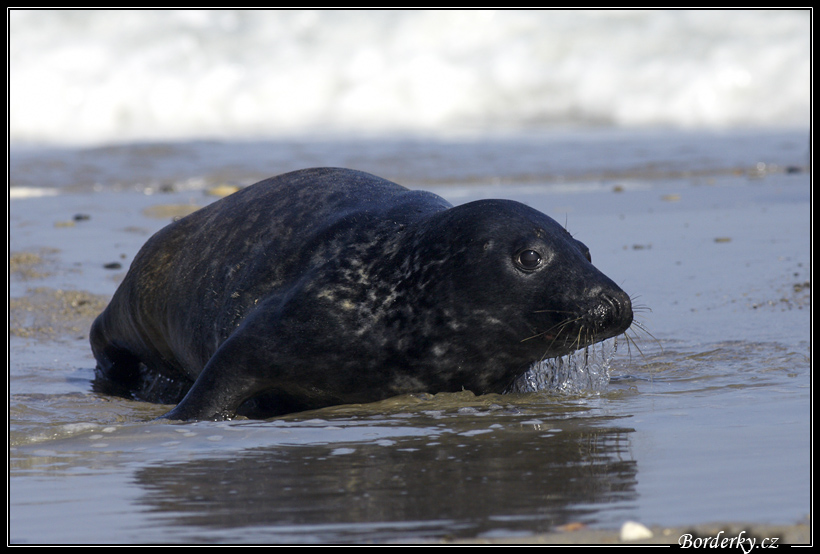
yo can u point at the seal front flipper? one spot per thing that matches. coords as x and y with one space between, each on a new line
255 362
222 386
208 399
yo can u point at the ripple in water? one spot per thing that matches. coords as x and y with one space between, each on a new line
582 371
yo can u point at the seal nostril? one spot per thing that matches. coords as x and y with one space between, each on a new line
621 308
614 311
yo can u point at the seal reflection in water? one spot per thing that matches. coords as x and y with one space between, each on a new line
332 286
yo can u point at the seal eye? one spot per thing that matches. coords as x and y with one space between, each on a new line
528 259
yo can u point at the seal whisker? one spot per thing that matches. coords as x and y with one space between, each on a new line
561 328
560 325
640 327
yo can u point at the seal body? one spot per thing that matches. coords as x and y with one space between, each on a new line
329 286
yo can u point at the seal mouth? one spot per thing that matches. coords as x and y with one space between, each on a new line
610 317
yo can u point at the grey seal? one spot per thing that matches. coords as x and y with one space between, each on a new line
332 286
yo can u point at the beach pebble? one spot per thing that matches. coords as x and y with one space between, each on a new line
221 190
634 531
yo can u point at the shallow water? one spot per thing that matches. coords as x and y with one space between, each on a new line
706 417
692 437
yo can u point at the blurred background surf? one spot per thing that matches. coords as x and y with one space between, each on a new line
102 76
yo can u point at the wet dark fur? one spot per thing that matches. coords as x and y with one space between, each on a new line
330 286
